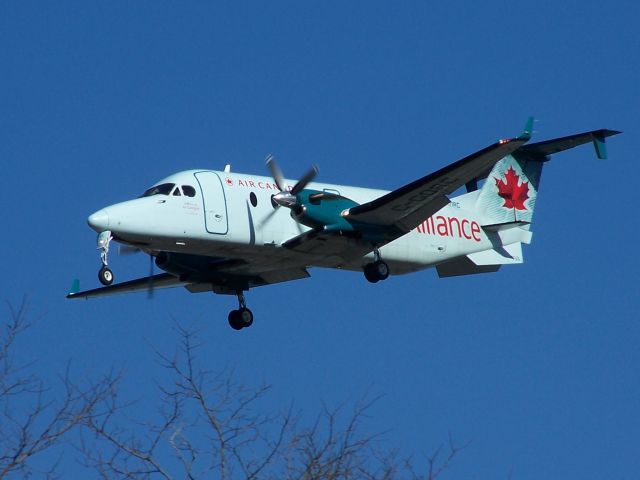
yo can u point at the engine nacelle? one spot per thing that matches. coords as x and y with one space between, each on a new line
320 209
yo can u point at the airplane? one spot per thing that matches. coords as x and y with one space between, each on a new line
227 232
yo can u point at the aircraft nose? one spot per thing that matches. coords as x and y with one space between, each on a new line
99 221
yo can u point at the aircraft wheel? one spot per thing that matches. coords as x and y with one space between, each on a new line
376 271
370 273
105 275
234 320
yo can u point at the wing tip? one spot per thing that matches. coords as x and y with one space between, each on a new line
75 288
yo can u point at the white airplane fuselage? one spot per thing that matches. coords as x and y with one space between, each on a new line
229 216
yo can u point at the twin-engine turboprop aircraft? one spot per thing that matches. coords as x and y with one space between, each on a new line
229 232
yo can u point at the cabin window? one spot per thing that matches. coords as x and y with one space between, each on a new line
188 190
253 199
163 189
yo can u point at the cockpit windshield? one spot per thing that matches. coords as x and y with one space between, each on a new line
164 189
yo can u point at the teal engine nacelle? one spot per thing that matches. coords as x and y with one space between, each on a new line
315 209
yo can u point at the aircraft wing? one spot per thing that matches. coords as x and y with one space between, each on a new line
162 280
214 281
406 207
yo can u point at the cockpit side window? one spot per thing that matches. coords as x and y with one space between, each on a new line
188 190
176 191
163 189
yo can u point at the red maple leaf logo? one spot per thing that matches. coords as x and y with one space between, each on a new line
514 195
229 182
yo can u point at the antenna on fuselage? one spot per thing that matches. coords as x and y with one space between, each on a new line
227 168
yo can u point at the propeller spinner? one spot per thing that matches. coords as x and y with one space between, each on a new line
286 198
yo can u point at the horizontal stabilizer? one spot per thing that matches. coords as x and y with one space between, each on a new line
497 227
463 266
549 147
487 261
506 255
508 233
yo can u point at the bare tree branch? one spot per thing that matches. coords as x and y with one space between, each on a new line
30 421
211 426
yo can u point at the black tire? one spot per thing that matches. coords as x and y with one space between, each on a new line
370 273
105 275
235 321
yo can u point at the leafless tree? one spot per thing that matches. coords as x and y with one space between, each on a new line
32 419
211 426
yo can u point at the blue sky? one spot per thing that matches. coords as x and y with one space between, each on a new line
536 365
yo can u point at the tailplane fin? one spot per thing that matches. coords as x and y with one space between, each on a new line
510 191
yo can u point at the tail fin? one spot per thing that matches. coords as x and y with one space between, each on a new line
510 191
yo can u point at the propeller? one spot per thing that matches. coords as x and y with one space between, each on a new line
284 198
129 250
150 285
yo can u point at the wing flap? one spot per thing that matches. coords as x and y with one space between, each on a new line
278 276
231 284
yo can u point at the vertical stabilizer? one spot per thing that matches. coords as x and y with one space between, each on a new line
510 191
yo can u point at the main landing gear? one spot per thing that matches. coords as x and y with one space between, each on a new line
377 270
105 275
243 317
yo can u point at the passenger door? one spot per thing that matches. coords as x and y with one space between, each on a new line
214 203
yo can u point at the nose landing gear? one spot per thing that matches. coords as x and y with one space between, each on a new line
377 270
105 275
243 317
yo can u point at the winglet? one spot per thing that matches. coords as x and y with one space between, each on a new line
528 130
599 142
75 287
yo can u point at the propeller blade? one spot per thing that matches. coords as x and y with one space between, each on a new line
269 216
276 173
150 285
127 249
304 181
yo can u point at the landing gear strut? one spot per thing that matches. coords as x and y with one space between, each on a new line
105 275
243 317
377 270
